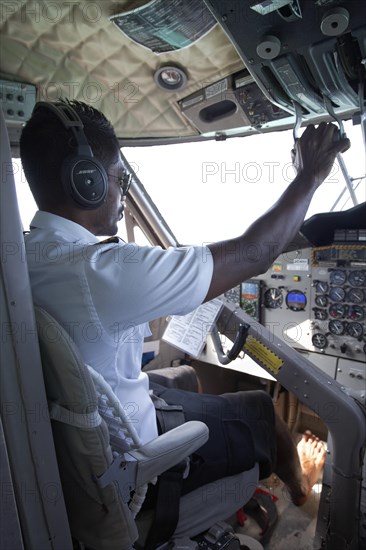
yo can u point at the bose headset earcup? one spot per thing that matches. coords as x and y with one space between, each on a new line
85 181
83 176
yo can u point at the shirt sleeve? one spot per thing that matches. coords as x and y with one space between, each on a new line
133 284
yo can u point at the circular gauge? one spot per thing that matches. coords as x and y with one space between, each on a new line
296 300
320 314
355 330
338 277
336 327
321 287
321 300
356 313
319 341
337 294
356 295
337 311
273 298
357 278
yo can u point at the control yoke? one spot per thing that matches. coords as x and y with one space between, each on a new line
240 338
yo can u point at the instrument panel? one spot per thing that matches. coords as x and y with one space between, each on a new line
340 294
315 300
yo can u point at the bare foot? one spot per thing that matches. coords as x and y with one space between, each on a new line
312 454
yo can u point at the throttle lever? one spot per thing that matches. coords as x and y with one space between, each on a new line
298 121
341 134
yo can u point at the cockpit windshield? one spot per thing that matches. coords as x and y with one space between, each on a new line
207 191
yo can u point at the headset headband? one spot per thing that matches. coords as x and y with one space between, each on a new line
71 121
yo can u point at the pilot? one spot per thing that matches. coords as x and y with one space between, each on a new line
105 293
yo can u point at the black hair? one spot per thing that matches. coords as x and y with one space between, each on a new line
45 143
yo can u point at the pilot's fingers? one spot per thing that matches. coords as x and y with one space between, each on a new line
293 154
323 134
326 136
343 144
316 150
328 144
339 143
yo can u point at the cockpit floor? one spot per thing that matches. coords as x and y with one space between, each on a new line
295 527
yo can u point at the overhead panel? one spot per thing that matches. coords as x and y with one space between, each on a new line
17 100
309 52
232 103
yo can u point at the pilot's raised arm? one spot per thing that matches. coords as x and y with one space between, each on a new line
315 153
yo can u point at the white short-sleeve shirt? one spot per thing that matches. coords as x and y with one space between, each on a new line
105 294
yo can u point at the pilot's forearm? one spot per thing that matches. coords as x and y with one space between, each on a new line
236 260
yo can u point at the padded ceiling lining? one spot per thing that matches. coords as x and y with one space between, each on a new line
71 49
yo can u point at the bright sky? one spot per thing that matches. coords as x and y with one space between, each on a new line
209 191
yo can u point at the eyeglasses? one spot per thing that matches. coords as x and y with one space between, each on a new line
124 182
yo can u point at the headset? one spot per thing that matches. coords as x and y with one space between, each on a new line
83 176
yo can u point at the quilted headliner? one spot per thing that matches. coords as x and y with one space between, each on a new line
72 49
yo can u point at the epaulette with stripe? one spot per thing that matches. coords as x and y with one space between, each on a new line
111 240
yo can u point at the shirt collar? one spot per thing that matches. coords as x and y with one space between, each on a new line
46 220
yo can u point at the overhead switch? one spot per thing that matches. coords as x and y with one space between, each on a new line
335 22
269 47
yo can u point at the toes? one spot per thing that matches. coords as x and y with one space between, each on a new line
311 446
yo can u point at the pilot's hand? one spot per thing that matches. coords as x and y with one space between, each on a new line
316 150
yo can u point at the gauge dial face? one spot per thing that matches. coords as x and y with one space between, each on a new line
337 294
337 311
338 277
320 314
336 327
356 295
356 313
321 300
355 330
321 287
296 300
273 298
357 278
319 341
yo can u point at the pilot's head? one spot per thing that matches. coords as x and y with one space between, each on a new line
72 162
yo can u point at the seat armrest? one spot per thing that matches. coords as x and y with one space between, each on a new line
168 449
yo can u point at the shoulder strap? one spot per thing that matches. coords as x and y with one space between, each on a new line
169 486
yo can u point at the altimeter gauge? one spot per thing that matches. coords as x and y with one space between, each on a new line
273 298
